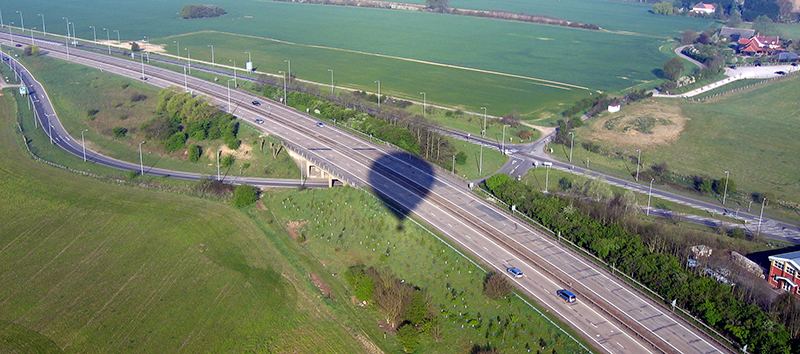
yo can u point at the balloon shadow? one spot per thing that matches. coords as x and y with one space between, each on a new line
401 181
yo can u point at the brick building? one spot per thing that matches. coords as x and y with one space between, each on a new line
784 271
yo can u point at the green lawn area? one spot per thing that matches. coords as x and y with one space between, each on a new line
88 266
726 134
76 89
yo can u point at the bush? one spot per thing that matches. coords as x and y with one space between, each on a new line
245 195
362 282
92 112
525 134
461 158
176 142
195 151
119 132
497 286
136 97
408 337
228 160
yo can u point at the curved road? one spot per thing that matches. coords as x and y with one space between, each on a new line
613 316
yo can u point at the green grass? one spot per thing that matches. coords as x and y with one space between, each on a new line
93 267
76 89
729 87
579 57
726 134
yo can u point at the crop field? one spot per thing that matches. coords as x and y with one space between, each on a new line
93 267
707 139
409 52
76 89
342 227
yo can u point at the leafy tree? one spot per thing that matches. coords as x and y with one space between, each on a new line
135 47
461 158
735 20
688 36
663 8
673 69
497 286
497 181
119 132
511 119
408 337
764 25
362 282
752 9
227 160
32 50
719 185
417 308
176 142
438 5
195 151
525 134
564 183
245 195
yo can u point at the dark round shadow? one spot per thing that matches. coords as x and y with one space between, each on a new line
401 181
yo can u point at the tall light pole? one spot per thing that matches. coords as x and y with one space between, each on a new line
141 163
761 217
725 194
218 153
454 164
94 33
108 39
379 93
178 47
424 99
285 99
32 28
235 84
185 81
289 62
67 41
504 139
119 42
547 178
11 34
571 144
229 97
141 56
74 39
483 133
331 70
638 163
44 29
212 52
1 20
83 142
21 21
650 196
50 128
189 58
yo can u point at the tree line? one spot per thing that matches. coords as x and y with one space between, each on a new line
654 254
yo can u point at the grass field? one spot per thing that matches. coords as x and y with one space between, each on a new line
726 134
76 89
93 267
577 57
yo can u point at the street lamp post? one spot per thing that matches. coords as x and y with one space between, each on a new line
212 52
141 163
32 42
178 47
638 163
235 84
67 40
284 86
229 96
141 56
424 99
50 127
44 29
761 217
108 39
189 58
571 144
454 164
547 179
218 153
94 33
650 196
11 34
483 132
83 142
21 21
749 205
185 81
331 70
379 93
289 62
74 39
119 42
480 164
725 194
504 139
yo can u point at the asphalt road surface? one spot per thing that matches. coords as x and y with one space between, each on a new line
612 316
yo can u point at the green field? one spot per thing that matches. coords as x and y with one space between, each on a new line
412 41
752 141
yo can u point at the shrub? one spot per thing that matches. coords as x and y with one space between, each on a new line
195 151
245 195
92 112
408 337
461 158
136 97
228 160
175 142
119 132
525 134
362 282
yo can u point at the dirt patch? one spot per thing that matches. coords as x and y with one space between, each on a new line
644 125
294 228
261 205
371 347
324 288
244 152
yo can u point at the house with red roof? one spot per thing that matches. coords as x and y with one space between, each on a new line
759 45
703 8
784 271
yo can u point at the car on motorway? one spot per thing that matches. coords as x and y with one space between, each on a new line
256 103
5 58
780 72
515 272
259 121
19 45
794 64
567 295
320 124
732 66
